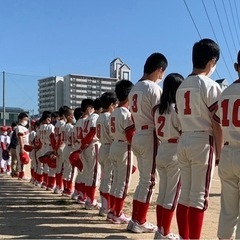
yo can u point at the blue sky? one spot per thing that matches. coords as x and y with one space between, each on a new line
57 37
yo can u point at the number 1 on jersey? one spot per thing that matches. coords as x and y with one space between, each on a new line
187 109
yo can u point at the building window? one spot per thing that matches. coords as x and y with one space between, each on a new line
125 75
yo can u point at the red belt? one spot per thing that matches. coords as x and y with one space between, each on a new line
121 140
172 140
144 127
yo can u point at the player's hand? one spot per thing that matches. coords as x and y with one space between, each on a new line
217 162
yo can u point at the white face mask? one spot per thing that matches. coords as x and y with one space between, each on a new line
158 81
5 133
211 71
24 123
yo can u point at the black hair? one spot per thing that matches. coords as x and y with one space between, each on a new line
77 113
238 58
97 104
37 123
67 112
170 86
22 115
122 89
204 51
45 115
86 103
107 99
155 61
14 124
55 114
62 109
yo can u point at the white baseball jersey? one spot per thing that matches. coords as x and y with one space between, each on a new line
59 127
5 139
167 125
45 131
228 113
32 135
196 100
23 131
67 133
77 132
102 130
120 120
144 96
89 123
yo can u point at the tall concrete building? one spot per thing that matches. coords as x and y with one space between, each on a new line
50 94
70 90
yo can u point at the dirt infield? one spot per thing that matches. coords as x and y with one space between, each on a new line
29 212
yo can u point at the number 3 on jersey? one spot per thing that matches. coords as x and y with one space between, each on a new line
136 102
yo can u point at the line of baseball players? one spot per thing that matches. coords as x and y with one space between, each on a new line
177 130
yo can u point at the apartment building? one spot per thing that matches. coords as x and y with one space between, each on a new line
70 90
50 94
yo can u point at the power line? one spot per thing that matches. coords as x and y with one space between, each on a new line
192 19
234 23
25 75
237 13
209 20
229 25
223 31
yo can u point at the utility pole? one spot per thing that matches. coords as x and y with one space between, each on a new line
4 109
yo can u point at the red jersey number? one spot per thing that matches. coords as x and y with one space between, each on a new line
234 114
187 109
113 127
161 123
134 103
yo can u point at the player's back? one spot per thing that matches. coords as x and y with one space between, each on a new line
103 128
120 120
144 96
228 112
89 123
196 98
167 125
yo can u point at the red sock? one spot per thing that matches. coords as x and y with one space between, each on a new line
82 191
159 216
112 203
167 215
90 193
195 222
134 210
182 221
21 174
105 199
8 168
76 187
142 209
51 182
39 178
118 206
45 178
69 186
65 185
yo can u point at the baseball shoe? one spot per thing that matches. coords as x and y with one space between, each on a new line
44 185
57 190
66 193
130 225
74 196
146 227
109 217
102 212
122 219
81 201
23 178
38 184
49 189
91 206
171 236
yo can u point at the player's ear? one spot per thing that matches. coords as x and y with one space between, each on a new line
236 67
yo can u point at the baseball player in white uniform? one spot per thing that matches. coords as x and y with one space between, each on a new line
5 141
229 166
108 102
168 131
60 144
144 96
23 138
87 109
32 154
89 156
47 139
68 170
196 100
121 128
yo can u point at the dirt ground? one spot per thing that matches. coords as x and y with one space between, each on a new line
29 212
